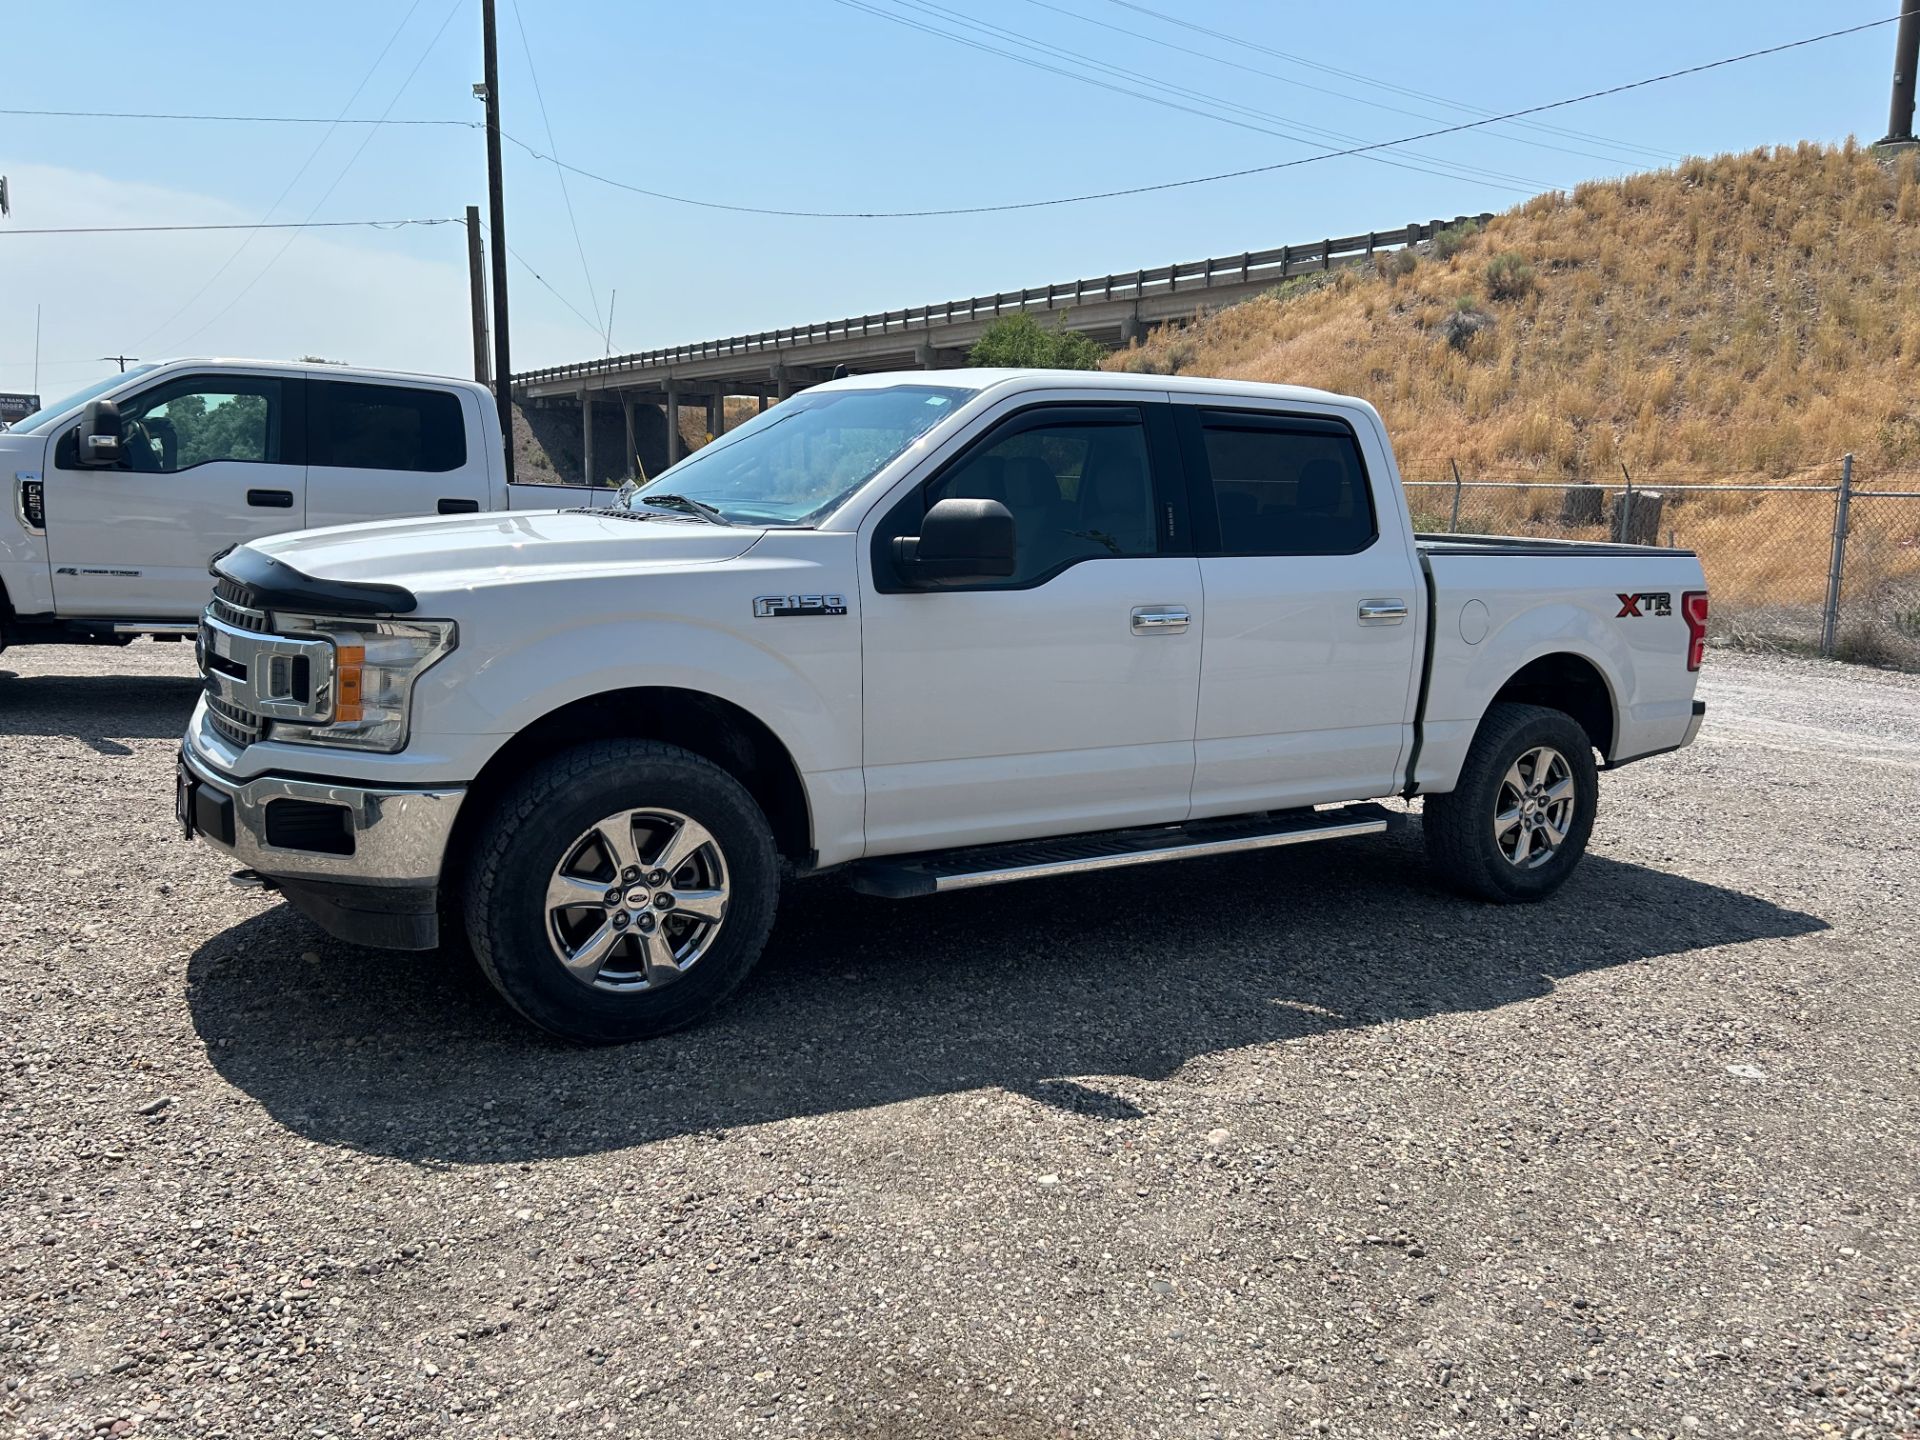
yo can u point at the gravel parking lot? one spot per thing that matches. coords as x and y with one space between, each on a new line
1285 1144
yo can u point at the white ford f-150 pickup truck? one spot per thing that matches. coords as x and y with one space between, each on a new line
122 493
943 629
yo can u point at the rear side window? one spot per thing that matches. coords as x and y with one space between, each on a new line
1285 486
384 427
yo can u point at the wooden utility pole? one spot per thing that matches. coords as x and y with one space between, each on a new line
497 219
1906 56
477 288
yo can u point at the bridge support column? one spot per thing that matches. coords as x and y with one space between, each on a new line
1132 328
673 419
586 436
933 357
630 465
763 402
783 381
716 415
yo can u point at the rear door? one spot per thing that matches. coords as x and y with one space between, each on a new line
1308 672
210 460
394 448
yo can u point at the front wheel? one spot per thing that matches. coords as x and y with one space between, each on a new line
620 890
1517 822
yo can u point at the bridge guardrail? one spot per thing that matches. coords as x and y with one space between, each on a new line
1246 268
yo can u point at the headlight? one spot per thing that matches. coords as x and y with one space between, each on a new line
370 687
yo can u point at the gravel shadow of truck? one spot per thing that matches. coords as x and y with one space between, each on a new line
1062 991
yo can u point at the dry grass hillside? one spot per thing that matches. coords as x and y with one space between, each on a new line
1747 316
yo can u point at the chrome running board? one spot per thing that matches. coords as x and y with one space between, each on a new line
907 877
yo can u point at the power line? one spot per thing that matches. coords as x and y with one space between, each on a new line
1325 90
866 8
1359 78
1089 196
275 225
1520 183
593 297
1217 176
249 119
528 266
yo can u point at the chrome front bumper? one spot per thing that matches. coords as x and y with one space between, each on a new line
392 838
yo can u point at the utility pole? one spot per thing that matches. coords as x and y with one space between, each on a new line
1906 56
125 360
497 217
477 287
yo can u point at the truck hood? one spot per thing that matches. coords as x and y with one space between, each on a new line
443 555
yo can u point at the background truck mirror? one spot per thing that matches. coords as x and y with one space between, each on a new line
99 434
960 542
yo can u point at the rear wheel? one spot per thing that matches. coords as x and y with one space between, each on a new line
1517 823
621 890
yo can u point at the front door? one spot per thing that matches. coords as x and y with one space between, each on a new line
1308 678
1060 699
207 462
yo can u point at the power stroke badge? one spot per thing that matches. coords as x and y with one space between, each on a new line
777 607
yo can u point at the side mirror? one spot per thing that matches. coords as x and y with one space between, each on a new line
960 541
99 434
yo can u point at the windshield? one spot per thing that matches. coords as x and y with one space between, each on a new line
796 462
79 397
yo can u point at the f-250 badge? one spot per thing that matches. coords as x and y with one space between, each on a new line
779 606
1638 606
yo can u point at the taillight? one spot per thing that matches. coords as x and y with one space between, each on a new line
1693 608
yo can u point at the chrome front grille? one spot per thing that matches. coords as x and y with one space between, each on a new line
253 677
241 617
233 724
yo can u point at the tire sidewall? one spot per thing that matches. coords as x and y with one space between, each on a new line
508 924
1564 735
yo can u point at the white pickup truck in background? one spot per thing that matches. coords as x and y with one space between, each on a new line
945 630
122 493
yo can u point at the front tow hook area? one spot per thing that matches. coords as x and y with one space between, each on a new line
251 880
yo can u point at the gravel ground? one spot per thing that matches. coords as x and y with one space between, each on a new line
1278 1145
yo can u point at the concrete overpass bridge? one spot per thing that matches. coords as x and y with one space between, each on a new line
638 398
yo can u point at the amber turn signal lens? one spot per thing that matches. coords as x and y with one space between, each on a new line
347 660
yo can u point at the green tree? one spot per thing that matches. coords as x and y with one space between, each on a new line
1020 341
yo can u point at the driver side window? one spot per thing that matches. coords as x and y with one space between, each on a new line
194 421
1077 490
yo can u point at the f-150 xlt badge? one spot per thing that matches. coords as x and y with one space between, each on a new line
1638 606
777 606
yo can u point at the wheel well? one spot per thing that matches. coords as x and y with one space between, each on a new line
1571 685
714 729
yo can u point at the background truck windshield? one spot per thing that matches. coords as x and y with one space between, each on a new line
795 463
78 397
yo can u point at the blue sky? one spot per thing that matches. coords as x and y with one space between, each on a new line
809 104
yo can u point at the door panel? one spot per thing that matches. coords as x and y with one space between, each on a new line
208 465
385 451
1312 644
1060 699
996 715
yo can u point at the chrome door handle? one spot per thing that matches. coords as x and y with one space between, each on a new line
1161 619
1385 611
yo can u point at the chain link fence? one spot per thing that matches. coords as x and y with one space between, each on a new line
1822 564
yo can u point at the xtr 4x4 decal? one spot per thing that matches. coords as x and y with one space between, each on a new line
1639 606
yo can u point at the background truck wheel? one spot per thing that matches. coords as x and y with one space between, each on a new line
620 890
1517 822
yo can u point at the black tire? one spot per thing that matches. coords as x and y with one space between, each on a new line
1460 827
537 824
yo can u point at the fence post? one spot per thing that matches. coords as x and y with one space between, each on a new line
1453 525
1626 508
1836 563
